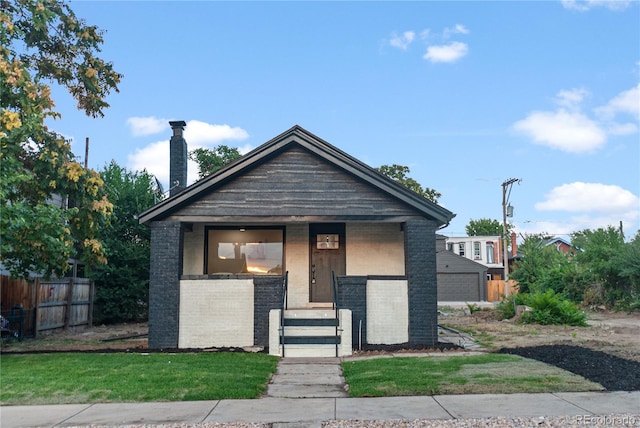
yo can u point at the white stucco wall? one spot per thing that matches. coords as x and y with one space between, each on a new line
193 251
387 311
375 249
297 263
216 313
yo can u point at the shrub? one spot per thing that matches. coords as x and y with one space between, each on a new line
551 308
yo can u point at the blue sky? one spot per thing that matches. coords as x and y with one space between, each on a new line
467 94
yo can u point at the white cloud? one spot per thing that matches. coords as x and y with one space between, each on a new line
571 98
585 5
622 129
147 125
626 102
155 156
590 205
589 197
446 53
202 134
571 132
457 29
402 41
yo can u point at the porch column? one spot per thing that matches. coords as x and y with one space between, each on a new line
164 284
420 269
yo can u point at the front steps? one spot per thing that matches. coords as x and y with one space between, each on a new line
310 333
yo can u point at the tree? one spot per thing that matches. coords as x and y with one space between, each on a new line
602 254
122 285
399 173
211 160
42 43
486 227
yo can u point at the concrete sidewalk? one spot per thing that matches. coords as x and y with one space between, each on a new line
311 411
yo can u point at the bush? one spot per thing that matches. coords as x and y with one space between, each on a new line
551 308
506 309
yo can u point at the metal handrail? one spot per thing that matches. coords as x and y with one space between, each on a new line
285 287
335 305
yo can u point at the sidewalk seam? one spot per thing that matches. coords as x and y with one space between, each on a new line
573 404
74 415
210 411
442 407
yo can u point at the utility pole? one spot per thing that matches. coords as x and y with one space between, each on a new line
507 211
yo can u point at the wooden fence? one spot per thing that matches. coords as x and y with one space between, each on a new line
495 289
49 304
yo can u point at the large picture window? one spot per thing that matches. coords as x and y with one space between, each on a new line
245 250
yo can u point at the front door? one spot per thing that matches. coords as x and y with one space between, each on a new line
327 254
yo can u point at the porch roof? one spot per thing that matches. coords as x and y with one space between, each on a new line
303 138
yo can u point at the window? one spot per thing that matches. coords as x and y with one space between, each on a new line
245 250
476 251
461 249
450 246
490 258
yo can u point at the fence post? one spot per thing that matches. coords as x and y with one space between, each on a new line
67 315
36 309
92 291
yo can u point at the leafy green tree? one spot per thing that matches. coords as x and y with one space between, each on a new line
399 173
122 285
43 43
486 227
211 160
541 267
602 254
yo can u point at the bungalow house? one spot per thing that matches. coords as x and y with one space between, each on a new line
248 255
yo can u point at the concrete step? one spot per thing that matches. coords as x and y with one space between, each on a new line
309 331
309 351
309 313
310 340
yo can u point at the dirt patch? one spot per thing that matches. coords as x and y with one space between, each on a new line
117 337
614 333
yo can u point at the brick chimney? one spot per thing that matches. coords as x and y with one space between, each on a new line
177 158
514 244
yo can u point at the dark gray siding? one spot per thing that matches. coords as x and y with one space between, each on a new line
296 183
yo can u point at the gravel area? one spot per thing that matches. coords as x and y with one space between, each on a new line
624 420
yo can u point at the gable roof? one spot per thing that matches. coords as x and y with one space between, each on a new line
303 138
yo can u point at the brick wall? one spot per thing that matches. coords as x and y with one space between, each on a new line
420 251
352 294
267 295
164 284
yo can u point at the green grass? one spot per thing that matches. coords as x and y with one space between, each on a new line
92 378
477 374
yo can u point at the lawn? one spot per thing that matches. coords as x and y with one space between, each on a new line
58 378
475 374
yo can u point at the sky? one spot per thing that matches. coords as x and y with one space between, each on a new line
468 95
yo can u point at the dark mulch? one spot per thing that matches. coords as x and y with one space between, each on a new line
613 373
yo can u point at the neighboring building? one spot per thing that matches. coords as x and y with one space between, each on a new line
486 250
459 279
221 247
561 245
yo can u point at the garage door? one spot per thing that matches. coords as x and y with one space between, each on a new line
458 287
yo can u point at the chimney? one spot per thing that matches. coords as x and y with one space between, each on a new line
177 158
514 244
